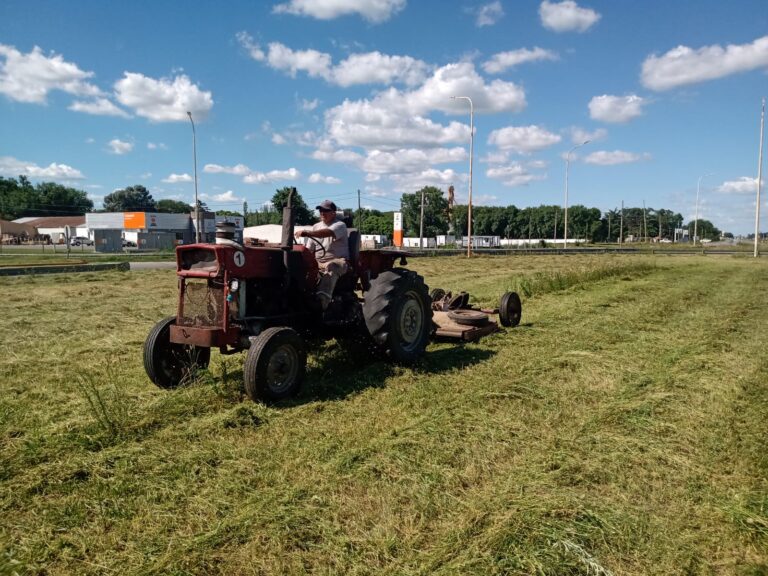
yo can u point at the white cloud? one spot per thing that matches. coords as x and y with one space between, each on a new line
459 79
363 68
378 68
119 147
683 65
228 196
369 125
504 60
489 14
616 109
579 135
341 156
318 178
98 107
252 176
606 158
407 160
163 100
309 105
156 146
430 177
523 139
175 178
272 176
374 11
12 167
744 185
238 170
316 64
515 174
29 77
567 16
278 139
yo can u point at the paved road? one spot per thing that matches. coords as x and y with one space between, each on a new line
153 265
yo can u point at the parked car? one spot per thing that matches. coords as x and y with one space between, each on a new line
80 240
128 244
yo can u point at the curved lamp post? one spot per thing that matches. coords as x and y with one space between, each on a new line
471 148
194 156
567 162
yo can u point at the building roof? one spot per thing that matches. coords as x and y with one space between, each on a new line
52 221
15 228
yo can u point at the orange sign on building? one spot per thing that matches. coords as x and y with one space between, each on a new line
134 220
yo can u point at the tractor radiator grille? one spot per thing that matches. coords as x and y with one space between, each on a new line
203 304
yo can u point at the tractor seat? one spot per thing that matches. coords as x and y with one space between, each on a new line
347 282
353 241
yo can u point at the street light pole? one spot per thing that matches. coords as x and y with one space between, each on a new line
471 149
197 203
567 163
696 221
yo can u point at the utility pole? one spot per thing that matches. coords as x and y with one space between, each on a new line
421 223
759 178
621 224
359 212
645 224
609 225
245 214
530 221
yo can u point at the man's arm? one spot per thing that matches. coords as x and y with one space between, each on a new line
322 233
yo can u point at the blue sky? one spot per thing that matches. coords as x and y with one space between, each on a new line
333 96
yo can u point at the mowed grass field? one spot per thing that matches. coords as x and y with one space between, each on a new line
621 429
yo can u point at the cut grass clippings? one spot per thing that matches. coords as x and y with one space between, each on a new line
618 430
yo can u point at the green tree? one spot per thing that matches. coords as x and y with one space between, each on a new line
228 213
304 215
435 209
169 206
131 199
57 200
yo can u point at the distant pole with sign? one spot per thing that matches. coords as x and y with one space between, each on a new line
397 236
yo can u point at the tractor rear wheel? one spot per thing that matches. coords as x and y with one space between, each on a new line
275 364
168 364
398 314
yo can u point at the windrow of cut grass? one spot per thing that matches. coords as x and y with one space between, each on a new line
618 430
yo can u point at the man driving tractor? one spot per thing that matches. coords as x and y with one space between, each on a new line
331 234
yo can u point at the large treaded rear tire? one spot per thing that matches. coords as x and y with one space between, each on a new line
167 364
275 364
398 314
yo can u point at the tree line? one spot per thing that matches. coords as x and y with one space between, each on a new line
19 198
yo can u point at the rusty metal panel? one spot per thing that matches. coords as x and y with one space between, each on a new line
202 304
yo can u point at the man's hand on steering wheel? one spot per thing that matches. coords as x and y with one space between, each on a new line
316 246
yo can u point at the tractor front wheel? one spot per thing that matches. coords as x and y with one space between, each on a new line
398 314
275 364
167 364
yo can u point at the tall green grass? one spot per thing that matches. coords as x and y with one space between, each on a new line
620 430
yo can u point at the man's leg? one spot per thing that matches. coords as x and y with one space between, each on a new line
330 272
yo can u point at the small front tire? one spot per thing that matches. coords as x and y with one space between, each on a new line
168 364
275 365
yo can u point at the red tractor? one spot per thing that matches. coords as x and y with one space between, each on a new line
262 298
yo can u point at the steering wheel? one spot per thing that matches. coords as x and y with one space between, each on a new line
318 250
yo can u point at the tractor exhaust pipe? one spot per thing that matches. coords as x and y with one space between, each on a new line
286 243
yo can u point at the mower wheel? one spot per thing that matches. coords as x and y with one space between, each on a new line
468 317
510 309
167 364
398 314
275 364
437 294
